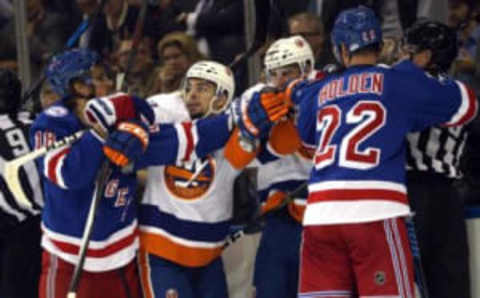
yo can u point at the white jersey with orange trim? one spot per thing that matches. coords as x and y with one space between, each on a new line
187 207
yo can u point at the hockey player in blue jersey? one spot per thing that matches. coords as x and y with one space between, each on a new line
69 182
354 240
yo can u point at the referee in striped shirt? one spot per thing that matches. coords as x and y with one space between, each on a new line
432 167
20 253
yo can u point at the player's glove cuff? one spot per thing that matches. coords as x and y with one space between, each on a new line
108 111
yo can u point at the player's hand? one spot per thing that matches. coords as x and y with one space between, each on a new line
127 143
255 116
110 110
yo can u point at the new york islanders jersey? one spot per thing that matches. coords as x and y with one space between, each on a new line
69 182
187 205
357 120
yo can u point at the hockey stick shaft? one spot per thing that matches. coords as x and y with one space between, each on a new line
12 167
417 260
102 178
137 36
84 25
288 199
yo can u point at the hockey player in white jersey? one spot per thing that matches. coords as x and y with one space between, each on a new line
280 172
186 209
277 261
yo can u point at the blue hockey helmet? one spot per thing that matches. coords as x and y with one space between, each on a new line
69 65
355 28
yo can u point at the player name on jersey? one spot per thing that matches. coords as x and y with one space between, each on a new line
370 82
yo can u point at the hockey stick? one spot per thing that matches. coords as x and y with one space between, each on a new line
417 261
137 35
233 237
12 167
102 178
84 25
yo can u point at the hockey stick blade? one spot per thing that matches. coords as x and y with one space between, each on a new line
12 167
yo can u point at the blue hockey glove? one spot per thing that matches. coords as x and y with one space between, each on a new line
110 110
127 143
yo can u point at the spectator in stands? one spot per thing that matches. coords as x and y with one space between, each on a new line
464 17
177 52
311 28
140 75
219 27
47 33
83 10
118 23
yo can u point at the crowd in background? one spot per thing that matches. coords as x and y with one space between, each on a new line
178 33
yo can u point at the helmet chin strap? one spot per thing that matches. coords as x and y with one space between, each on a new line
212 110
337 55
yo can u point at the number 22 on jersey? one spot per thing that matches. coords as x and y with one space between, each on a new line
367 117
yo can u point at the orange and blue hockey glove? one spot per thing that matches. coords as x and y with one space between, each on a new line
257 114
127 143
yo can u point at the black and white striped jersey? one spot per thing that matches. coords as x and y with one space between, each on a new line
14 131
437 150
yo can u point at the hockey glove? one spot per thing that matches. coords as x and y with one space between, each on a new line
127 143
256 115
110 110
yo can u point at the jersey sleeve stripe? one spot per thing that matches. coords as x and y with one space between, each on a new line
195 142
53 166
468 107
187 127
182 142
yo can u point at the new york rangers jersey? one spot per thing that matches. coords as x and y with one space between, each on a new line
69 183
357 120
187 205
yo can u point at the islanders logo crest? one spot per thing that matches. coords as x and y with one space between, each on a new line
190 181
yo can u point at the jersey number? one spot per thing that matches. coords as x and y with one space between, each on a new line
17 142
369 117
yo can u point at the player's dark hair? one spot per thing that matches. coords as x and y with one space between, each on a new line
440 39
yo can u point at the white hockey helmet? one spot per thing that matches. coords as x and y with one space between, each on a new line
287 51
218 74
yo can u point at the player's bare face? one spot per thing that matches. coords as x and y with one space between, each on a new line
198 95
278 77
173 58
84 89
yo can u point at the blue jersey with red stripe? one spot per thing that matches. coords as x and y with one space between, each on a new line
69 181
358 120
